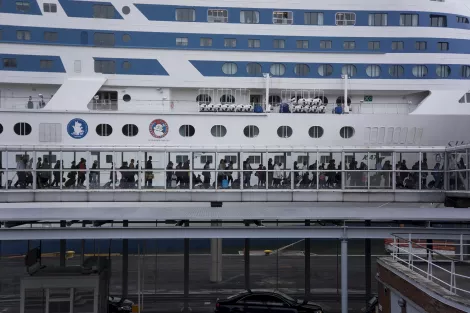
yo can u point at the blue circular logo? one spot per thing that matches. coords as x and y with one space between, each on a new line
77 128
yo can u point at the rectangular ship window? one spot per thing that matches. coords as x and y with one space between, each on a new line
420 45
182 41
373 45
185 15
438 21
378 19
349 45
397 45
254 43
206 42
105 67
103 39
103 11
217 16
279 43
325 44
302 44
51 36
443 46
346 19
9 63
283 17
46 64
22 6
313 18
249 17
23 35
230 42
50 7
409 20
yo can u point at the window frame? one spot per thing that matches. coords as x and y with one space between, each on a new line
302 44
326 44
441 20
249 130
182 41
257 66
185 13
128 128
254 16
187 130
308 21
278 66
301 70
254 43
8 62
373 70
51 36
349 69
465 71
420 44
345 21
215 19
441 44
373 19
398 45
98 42
276 43
46 64
412 19
23 6
233 68
316 132
230 40
49 7
104 65
329 70
205 42
285 131
288 20
218 131
23 35
349 45
106 130
443 69
397 69
420 69
102 10
373 45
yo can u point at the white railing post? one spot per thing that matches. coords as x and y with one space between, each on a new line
7 166
410 247
461 247
216 165
452 277
33 170
395 246
87 170
429 272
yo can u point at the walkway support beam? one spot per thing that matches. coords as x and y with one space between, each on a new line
344 276
125 264
246 253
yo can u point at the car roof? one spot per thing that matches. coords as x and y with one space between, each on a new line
256 292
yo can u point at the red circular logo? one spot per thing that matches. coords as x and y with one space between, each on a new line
158 128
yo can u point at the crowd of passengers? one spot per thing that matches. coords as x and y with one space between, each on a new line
272 176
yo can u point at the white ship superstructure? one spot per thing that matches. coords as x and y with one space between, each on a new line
121 68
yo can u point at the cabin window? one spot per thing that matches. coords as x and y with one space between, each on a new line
409 19
185 15
420 71
325 70
230 43
51 36
46 64
420 45
23 6
182 159
203 99
278 69
126 10
274 99
9 63
349 45
218 131
187 130
465 71
462 19
23 35
126 98
373 45
217 16
1 128
438 20
378 19
103 39
104 130
396 71
346 132
255 159
103 11
346 19
22 129
443 71
315 131
50 7
398 45
182 41
126 38
251 131
254 69
205 42
130 130
443 46
340 100
279 43
206 158
229 68
302 44
373 71
313 18
105 67
284 131
283 17
349 70
249 17
326 44
254 43
225 99
301 69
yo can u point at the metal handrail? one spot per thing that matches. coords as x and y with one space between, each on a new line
431 264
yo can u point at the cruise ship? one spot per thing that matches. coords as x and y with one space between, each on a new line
240 73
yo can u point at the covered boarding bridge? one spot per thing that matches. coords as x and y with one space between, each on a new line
233 174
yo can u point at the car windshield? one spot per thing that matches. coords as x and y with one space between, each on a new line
288 298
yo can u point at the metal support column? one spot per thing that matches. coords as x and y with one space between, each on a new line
344 276
307 264
216 257
125 263
63 247
186 307
246 253
368 262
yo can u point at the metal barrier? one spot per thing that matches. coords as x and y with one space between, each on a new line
434 169
433 265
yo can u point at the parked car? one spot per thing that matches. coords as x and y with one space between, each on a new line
265 302
118 305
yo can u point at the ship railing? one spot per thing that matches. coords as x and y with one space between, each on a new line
23 103
428 169
356 108
103 105
443 262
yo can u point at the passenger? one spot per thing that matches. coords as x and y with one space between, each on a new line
259 173
221 172
270 173
149 174
403 175
304 182
363 173
179 174
229 172
46 174
81 173
72 176
197 181
424 174
38 173
57 179
387 175
131 175
207 175
247 174
438 177
94 175
112 178
169 174
322 177
296 173
355 177
277 177
42 104
338 175
186 173
331 175
124 183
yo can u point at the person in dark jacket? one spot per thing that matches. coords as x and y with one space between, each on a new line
207 175
270 173
169 174
56 173
149 174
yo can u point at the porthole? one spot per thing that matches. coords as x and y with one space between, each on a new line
284 131
104 130
340 100
254 69
325 70
465 71
315 132
251 131
126 10
126 37
126 65
396 71
349 70
204 99
126 98
22 129
218 131
227 99
1 128
301 69
420 71
443 71
346 132
373 71
187 130
278 69
229 68
130 130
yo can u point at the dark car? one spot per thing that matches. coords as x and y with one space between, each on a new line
118 305
265 302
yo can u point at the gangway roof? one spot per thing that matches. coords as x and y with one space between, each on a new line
138 211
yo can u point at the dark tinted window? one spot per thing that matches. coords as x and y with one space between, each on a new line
130 130
104 130
22 129
187 130
1 128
